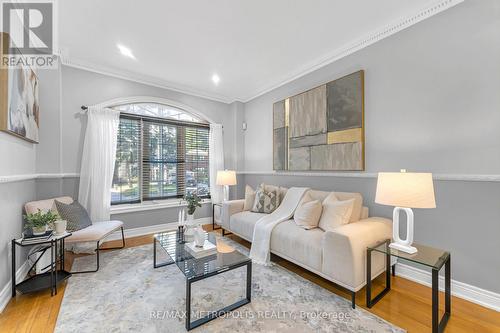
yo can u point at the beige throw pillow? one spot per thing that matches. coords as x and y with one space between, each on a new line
335 213
307 215
249 198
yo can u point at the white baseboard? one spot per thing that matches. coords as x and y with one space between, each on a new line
151 229
6 293
459 289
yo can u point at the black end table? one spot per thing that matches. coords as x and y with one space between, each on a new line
49 279
426 256
213 215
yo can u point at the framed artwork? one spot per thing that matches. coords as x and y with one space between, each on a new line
321 129
19 103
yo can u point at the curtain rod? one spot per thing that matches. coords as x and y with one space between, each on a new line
85 108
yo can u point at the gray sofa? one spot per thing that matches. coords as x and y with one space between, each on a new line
338 256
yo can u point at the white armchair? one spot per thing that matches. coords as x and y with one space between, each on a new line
93 233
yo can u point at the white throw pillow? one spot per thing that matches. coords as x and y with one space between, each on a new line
307 214
335 213
249 198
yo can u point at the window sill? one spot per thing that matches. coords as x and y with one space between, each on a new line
151 205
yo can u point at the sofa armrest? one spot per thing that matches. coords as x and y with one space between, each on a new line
344 250
229 208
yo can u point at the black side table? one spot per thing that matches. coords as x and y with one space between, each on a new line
49 279
213 215
427 256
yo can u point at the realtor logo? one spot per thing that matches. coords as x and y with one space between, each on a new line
29 28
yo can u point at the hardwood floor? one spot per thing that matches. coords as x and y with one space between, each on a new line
407 305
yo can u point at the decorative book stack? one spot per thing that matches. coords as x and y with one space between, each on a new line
201 251
30 239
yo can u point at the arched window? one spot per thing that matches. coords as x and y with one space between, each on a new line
162 152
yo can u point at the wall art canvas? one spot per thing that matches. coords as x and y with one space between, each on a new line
321 129
19 103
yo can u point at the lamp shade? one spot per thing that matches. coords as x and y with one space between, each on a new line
405 189
226 177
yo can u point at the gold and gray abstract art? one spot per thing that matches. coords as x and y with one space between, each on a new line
321 129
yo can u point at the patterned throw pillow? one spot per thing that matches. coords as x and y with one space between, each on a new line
265 201
75 215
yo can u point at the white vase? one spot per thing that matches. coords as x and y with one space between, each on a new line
190 217
199 236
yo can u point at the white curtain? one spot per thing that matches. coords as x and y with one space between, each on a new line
216 163
98 162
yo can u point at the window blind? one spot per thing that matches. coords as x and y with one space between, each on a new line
173 160
126 177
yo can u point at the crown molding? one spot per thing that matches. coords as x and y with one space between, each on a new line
436 176
369 39
339 53
139 78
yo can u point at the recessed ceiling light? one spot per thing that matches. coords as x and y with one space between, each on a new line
215 78
125 51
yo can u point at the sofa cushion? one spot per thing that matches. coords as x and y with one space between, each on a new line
243 223
358 201
335 214
307 215
265 201
249 198
280 190
95 232
45 205
303 246
74 213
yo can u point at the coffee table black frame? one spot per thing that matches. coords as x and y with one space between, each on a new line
181 256
434 258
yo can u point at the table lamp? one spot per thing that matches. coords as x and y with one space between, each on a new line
226 178
405 190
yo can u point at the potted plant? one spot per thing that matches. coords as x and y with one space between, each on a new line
39 221
193 201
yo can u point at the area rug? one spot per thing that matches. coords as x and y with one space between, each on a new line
127 294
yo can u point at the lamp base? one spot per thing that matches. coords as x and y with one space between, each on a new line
226 193
404 248
402 244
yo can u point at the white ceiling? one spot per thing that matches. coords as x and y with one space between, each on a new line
253 45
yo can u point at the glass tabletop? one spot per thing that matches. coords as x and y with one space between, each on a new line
426 255
226 256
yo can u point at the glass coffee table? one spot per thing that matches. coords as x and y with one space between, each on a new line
426 256
195 269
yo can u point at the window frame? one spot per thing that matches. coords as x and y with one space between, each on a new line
166 121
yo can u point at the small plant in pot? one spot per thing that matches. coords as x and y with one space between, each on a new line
193 201
40 221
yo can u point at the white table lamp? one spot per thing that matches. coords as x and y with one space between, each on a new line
405 190
226 178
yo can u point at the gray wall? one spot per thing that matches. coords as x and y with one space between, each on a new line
431 96
432 104
61 149
12 198
62 129
18 157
